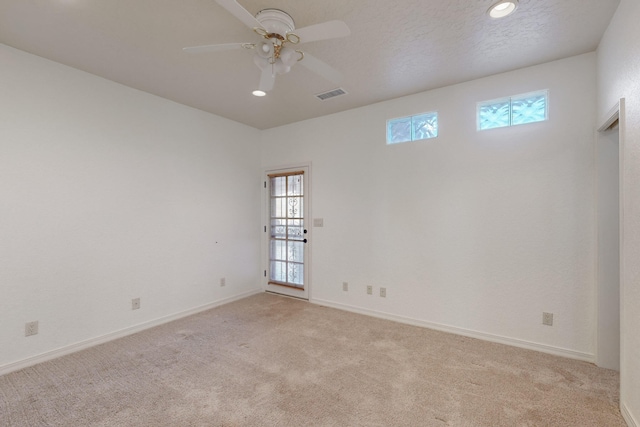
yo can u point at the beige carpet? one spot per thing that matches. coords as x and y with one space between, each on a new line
274 361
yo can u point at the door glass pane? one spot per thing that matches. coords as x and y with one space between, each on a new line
279 186
279 207
295 207
286 248
296 274
294 186
278 250
278 271
295 251
295 230
278 228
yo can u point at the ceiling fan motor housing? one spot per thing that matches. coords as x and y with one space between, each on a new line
276 21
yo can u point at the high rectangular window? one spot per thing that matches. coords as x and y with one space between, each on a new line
412 128
514 110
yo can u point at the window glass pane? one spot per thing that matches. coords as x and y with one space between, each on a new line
529 109
494 114
399 130
425 126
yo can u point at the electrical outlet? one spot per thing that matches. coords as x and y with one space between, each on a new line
547 319
223 281
30 328
383 292
369 290
345 286
135 304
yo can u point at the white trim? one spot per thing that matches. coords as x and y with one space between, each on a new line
82 345
615 114
626 414
622 130
610 117
544 348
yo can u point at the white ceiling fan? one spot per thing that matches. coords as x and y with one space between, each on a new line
275 53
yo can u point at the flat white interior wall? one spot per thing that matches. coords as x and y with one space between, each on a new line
109 194
479 231
618 71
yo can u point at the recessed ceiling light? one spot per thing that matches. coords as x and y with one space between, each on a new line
258 93
502 8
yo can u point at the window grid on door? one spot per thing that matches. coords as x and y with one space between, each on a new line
286 245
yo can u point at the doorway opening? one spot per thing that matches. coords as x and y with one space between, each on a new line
609 232
287 234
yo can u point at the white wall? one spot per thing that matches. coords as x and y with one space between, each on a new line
618 77
107 194
478 231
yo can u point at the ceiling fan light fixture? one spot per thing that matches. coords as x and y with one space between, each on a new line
502 8
258 93
264 49
288 56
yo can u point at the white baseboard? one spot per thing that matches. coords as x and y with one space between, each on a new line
53 354
558 351
626 414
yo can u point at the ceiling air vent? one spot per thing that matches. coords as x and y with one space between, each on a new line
331 94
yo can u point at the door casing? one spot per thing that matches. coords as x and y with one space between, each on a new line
284 290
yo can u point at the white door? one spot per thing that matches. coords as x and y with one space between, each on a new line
287 193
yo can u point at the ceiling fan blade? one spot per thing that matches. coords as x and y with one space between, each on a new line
324 31
267 80
234 8
217 47
321 68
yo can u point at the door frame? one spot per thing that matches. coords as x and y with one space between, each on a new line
617 113
284 290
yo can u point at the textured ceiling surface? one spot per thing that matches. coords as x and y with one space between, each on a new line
395 48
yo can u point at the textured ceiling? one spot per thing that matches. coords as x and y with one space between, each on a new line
396 47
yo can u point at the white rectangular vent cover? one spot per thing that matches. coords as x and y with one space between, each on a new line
331 94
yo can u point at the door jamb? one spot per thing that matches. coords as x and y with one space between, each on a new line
617 112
